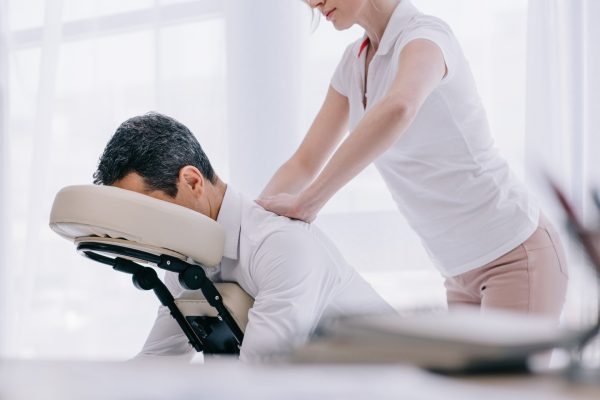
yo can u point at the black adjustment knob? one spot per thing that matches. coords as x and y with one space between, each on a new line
191 278
145 280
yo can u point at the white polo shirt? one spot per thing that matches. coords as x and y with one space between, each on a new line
294 272
444 173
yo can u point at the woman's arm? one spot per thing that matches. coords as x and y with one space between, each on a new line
421 68
323 136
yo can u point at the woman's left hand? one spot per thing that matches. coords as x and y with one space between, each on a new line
288 205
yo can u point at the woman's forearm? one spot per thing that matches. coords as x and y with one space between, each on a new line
290 178
420 71
376 132
324 134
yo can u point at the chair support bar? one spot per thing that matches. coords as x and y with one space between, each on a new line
145 278
191 277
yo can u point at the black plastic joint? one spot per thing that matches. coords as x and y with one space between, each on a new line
192 278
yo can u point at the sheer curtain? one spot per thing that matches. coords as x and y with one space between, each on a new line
563 123
563 94
3 154
78 68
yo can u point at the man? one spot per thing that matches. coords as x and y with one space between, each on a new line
294 272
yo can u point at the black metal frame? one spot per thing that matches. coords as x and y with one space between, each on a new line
211 335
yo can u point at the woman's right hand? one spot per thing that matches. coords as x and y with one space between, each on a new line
288 205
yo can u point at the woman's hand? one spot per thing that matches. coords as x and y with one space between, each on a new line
288 205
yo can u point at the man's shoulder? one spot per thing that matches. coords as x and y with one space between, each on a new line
294 251
259 225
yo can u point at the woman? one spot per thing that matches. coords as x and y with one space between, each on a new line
406 94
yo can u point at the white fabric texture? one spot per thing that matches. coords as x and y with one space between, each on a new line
294 272
444 173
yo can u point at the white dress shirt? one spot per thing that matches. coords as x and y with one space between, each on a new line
444 172
294 272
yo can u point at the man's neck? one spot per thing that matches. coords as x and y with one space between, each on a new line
216 198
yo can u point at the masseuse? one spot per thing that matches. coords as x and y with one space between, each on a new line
406 94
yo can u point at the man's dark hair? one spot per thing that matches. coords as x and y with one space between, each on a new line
156 147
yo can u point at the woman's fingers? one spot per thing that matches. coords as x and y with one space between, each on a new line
285 205
262 202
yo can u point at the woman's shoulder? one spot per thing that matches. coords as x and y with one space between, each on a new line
428 27
424 23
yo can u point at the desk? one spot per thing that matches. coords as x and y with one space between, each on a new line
228 379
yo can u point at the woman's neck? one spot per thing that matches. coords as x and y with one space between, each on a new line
375 17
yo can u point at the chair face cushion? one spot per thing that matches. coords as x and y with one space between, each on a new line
111 212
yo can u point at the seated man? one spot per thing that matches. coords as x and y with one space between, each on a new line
294 272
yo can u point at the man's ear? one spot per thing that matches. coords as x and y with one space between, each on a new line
191 178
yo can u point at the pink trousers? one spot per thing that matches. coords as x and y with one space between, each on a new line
531 278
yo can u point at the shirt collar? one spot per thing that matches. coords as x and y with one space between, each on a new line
404 11
230 218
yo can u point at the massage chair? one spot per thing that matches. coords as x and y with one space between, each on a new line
136 234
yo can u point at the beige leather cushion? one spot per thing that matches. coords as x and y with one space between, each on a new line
235 299
111 212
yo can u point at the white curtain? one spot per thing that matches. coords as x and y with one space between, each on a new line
563 95
77 70
3 153
80 67
563 124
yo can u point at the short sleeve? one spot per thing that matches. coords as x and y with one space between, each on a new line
343 73
441 35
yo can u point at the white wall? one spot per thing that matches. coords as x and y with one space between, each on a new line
265 51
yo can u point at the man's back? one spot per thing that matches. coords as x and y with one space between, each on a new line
294 272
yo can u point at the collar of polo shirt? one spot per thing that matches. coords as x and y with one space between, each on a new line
230 218
403 12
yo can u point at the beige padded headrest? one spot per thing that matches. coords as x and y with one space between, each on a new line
107 211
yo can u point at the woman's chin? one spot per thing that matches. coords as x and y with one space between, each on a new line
341 26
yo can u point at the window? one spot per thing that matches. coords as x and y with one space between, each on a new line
69 90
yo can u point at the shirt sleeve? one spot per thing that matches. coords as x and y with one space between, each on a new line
343 73
295 281
166 337
441 35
